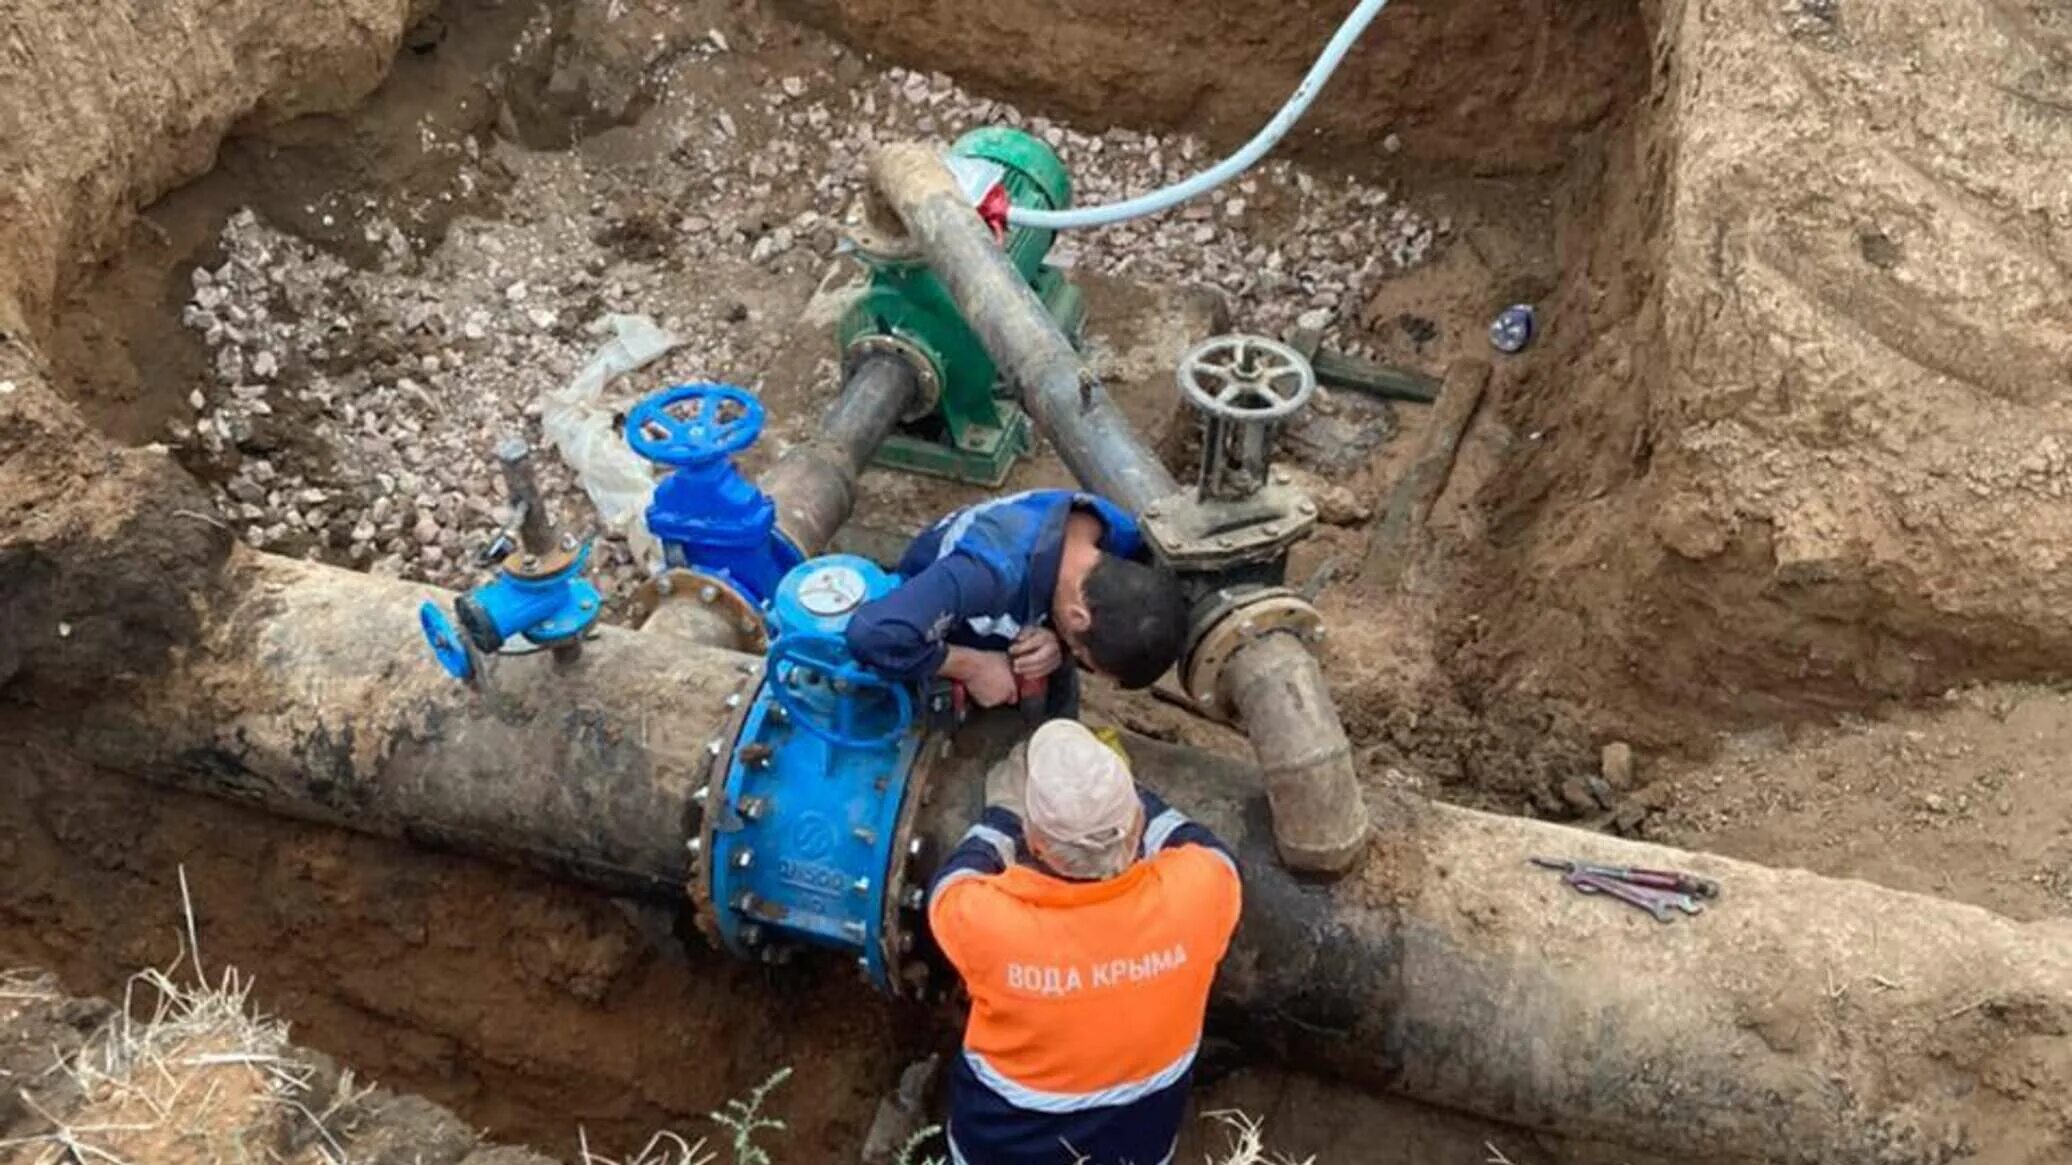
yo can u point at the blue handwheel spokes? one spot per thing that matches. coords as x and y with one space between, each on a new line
694 424
823 655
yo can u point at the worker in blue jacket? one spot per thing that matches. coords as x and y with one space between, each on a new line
998 595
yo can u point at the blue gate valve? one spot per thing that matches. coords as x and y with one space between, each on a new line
708 517
539 593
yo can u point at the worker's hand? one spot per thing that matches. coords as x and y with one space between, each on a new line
1036 652
987 676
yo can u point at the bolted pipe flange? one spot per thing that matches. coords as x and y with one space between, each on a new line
927 378
1229 620
702 607
702 818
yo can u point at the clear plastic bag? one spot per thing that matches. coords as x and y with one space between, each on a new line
577 421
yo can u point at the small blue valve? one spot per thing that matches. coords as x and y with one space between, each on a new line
539 593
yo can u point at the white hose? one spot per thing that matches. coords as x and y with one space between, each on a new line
1228 168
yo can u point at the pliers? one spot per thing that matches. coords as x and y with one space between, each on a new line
1662 893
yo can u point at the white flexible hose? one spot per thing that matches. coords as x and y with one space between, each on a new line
1228 168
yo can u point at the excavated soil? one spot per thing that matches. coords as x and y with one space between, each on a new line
1786 449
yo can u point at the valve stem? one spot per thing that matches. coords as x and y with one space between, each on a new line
535 529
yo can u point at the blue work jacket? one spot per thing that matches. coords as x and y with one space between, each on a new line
977 578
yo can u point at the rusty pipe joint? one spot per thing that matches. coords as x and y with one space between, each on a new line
1249 661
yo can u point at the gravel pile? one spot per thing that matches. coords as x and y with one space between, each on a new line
1288 248
353 409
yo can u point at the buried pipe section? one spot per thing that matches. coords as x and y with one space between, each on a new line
1799 1018
1320 825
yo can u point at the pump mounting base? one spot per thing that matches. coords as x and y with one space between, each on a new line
985 457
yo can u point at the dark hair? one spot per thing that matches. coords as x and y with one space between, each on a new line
1138 620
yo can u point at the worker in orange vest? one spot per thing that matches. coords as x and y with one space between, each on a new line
1086 919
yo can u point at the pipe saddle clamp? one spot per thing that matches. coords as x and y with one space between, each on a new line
1228 621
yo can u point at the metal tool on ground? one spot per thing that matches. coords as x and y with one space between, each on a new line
1662 893
1513 329
1339 370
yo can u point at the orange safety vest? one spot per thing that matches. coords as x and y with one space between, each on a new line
1088 995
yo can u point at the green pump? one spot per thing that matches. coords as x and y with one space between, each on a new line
965 424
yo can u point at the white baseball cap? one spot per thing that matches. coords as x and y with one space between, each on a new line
1081 800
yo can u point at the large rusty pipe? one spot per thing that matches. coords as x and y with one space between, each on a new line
1318 814
1800 1018
814 483
311 693
1319 817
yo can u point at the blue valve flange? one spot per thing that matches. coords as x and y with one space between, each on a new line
447 644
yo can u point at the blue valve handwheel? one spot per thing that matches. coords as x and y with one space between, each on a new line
658 434
823 654
446 642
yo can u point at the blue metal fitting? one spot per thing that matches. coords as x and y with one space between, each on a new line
546 601
539 593
816 784
708 517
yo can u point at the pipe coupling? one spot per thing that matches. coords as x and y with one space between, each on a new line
1228 620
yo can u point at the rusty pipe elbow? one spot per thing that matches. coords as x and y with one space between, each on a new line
1319 819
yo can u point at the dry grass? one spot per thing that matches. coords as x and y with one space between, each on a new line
184 1071
1248 1141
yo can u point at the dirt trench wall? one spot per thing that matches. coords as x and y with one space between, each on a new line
97 122
103 552
1492 87
1808 439
530 1006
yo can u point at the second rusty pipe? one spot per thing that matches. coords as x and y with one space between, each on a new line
1092 436
814 483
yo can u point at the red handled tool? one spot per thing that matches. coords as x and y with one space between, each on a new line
1035 696
1662 893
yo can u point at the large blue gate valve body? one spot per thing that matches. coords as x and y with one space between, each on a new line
708 517
802 839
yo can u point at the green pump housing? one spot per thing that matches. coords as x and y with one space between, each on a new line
966 425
